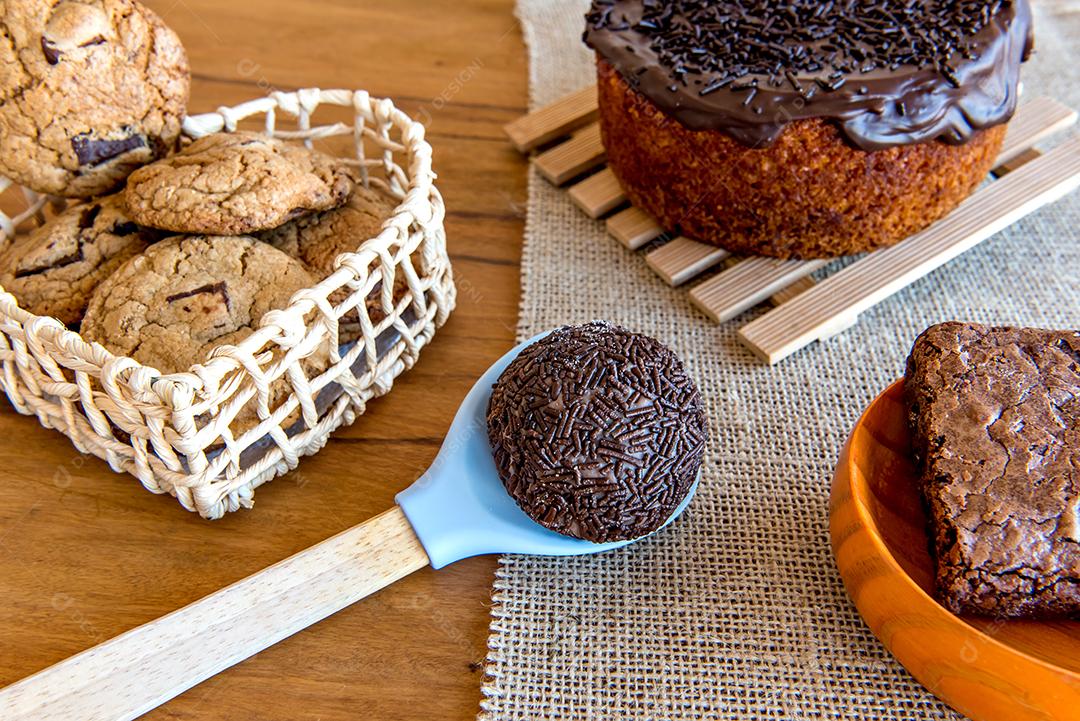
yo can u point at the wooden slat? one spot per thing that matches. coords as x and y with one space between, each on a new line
838 325
583 151
748 283
812 314
598 194
1033 122
681 259
782 295
633 228
1016 161
788 292
553 121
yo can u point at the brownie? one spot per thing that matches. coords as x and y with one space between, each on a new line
995 424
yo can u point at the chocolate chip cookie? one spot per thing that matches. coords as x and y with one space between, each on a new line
89 91
54 269
181 298
236 183
318 239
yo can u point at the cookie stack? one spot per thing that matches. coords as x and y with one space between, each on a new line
168 252
171 252
251 221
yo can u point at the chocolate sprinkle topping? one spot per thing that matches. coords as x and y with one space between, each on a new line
921 65
597 432
820 38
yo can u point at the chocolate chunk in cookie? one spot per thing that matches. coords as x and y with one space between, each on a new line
89 91
234 183
318 239
183 297
54 269
92 152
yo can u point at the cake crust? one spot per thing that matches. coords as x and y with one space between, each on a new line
995 421
810 194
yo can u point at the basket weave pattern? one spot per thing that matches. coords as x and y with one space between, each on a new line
172 432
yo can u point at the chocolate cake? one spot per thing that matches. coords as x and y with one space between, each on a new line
995 422
597 432
804 128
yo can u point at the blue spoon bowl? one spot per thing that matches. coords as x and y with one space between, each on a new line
459 507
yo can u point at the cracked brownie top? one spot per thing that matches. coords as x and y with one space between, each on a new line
995 419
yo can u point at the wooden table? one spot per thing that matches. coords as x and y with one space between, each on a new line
86 554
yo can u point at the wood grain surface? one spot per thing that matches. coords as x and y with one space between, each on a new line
86 554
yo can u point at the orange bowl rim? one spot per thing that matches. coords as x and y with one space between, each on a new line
863 513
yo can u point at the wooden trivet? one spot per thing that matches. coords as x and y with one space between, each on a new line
571 155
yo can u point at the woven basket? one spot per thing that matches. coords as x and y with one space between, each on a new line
172 432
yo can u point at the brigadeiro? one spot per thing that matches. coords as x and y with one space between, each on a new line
597 432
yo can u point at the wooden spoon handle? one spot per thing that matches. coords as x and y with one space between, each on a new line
127 676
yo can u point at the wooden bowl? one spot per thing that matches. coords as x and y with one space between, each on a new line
986 669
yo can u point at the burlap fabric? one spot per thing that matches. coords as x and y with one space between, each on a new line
737 610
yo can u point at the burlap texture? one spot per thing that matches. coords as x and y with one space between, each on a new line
737 610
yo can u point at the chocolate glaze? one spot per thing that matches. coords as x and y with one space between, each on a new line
945 94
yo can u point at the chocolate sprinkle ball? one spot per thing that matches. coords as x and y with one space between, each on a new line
890 72
597 432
